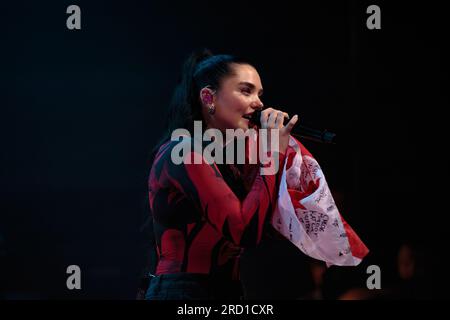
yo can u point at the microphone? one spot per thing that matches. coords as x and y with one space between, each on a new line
321 136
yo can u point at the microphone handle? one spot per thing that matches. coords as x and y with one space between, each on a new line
322 136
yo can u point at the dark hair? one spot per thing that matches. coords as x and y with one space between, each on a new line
200 69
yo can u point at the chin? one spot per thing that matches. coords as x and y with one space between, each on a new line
244 125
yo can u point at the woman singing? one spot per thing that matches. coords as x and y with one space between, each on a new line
205 214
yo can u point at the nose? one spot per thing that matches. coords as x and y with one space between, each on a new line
257 104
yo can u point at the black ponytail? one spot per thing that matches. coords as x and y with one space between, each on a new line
184 109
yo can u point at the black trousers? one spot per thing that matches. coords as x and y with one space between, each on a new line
192 286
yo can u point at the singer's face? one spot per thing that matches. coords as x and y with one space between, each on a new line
239 95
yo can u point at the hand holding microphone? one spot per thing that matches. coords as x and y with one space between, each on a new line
262 117
270 118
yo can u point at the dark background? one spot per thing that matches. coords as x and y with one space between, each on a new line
81 111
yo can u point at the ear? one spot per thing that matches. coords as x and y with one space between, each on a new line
207 96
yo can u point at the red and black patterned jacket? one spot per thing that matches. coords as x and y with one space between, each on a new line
203 215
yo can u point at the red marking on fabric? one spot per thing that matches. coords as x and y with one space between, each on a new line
172 251
358 248
199 253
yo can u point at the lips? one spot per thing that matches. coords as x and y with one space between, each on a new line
249 118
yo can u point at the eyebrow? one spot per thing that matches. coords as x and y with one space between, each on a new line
251 85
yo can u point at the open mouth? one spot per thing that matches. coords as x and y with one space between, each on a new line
249 117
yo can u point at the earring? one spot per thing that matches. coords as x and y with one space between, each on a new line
211 109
